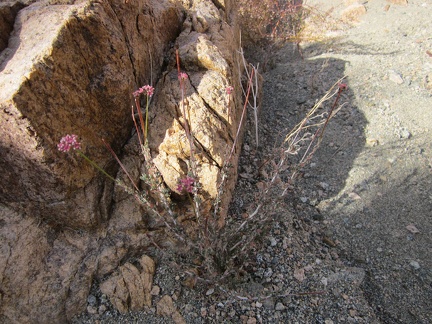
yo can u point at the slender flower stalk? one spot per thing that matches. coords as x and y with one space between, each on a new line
70 142
148 90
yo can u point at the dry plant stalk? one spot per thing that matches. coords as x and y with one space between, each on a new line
252 75
303 140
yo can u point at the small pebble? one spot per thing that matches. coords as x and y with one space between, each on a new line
415 265
91 300
251 320
279 306
155 291
404 134
203 312
92 310
102 309
324 185
104 299
395 77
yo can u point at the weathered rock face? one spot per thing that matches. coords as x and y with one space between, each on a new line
45 275
70 67
208 48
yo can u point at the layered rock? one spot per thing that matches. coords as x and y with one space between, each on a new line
71 67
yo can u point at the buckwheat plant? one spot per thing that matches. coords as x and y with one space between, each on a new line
70 142
148 90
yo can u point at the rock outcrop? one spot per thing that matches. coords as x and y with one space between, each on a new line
71 67
208 48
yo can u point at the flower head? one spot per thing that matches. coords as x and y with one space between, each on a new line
229 89
186 184
69 142
343 86
182 76
147 89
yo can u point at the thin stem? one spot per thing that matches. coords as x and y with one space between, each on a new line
136 126
95 165
138 106
242 116
146 120
121 164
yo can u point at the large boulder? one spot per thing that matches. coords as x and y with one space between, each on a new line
71 67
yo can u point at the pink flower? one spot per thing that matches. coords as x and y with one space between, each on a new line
186 184
147 89
182 76
229 90
69 142
343 86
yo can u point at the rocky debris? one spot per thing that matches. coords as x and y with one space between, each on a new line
129 288
165 307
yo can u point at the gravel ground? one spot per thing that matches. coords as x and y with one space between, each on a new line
352 242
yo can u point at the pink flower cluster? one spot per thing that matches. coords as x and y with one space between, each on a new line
343 86
147 89
182 76
186 184
69 142
229 89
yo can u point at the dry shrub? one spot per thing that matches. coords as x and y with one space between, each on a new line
271 20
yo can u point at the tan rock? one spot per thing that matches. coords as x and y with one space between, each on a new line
211 63
353 12
8 12
45 275
67 69
130 287
165 307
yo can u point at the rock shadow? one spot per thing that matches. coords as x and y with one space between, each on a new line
291 88
384 226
